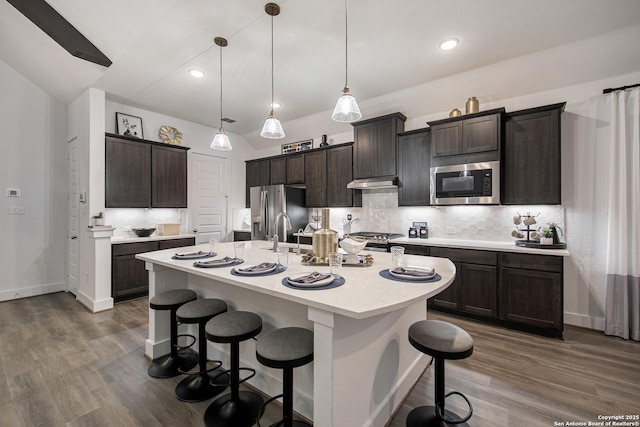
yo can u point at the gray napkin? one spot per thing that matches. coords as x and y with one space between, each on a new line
413 272
191 254
260 267
224 260
310 278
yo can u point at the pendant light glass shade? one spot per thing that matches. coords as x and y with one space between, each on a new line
346 108
220 140
272 128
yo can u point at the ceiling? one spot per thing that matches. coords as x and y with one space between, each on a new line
393 45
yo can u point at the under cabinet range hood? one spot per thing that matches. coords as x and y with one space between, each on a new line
375 183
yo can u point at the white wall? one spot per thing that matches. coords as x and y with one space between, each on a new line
34 160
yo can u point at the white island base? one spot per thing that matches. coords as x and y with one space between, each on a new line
363 363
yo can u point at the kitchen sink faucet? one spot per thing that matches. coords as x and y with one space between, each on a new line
275 229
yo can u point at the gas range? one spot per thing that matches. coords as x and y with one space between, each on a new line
375 240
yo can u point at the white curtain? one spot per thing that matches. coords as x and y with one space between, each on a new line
622 315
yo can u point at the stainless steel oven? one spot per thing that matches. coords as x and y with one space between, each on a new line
466 184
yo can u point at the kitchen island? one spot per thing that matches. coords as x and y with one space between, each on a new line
363 363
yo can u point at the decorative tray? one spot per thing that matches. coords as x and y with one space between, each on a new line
537 245
363 261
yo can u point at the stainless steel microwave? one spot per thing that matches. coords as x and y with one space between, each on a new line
466 184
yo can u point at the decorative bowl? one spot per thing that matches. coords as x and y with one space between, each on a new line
143 232
352 247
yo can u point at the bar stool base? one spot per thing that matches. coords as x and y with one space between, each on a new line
196 388
167 366
425 416
224 412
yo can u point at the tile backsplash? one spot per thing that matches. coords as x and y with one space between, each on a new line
380 212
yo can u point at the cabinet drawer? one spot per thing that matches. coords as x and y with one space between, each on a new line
133 248
532 262
176 243
468 256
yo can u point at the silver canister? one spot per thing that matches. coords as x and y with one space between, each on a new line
324 240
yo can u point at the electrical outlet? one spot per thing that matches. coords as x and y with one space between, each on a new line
16 210
451 230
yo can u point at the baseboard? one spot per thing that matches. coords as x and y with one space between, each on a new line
32 291
583 321
94 306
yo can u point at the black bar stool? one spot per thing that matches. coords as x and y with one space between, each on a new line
442 340
285 349
238 408
169 366
198 386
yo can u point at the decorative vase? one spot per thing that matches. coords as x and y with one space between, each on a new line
455 113
324 240
99 222
472 105
546 240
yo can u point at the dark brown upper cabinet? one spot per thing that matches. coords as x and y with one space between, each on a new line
339 174
414 162
257 174
375 145
467 136
278 170
144 174
295 169
531 156
315 169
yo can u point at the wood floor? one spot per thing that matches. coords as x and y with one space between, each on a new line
63 366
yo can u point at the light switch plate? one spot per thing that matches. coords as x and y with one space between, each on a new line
13 192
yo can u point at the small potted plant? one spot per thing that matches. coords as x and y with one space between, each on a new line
546 236
98 219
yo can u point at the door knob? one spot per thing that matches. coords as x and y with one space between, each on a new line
195 230
74 237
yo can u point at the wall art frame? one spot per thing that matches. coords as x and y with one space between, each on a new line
295 147
128 125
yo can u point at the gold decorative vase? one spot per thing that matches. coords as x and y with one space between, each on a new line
455 113
324 240
472 105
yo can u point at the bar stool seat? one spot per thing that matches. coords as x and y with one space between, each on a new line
238 408
442 340
169 366
285 348
199 386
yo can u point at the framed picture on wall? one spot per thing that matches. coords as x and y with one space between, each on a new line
127 125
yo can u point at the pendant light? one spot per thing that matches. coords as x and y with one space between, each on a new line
347 107
221 140
272 128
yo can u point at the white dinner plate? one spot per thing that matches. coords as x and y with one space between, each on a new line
247 270
216 262
431 275
317 284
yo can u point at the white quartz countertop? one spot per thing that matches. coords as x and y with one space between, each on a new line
480 245
121 239
364 294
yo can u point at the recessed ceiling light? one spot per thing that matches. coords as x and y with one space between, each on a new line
449 43
196 73
275 105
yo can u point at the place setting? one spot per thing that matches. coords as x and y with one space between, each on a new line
226 261
194 255
316 280
406 273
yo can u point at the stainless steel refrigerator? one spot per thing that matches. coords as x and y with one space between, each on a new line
267 202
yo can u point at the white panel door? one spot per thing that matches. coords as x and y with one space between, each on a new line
72 268
208 197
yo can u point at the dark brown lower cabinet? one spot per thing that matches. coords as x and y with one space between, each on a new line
239 236
518 291
129 278
474 290
531 293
